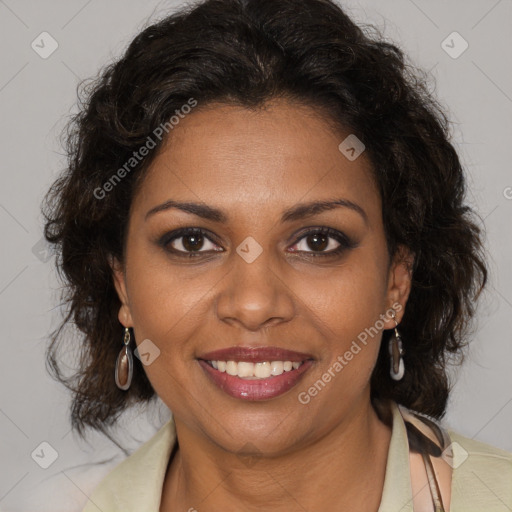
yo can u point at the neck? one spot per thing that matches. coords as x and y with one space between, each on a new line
345 467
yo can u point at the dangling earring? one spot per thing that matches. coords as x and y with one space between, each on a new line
124 363
396 351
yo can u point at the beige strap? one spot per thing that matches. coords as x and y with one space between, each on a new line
435 491
430 473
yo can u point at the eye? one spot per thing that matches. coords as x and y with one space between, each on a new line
194 242
323 241
188 241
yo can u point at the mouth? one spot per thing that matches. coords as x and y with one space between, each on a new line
255 373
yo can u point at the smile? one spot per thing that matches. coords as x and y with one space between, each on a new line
255 381
260 370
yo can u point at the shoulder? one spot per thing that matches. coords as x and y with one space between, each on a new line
136 483
474 453
482 475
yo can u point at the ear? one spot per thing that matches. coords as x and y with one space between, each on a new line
399 283
119 277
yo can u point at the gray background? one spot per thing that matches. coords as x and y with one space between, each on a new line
37 95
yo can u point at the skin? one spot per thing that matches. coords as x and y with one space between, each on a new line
331 453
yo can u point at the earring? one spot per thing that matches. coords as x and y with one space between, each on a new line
124 363
396 351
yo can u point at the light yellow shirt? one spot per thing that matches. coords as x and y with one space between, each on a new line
481 481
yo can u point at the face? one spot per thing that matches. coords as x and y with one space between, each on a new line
256 269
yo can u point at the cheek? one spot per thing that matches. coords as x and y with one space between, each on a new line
168 310
346 309
165 306
350 299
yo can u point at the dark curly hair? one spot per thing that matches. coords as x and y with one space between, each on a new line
247 52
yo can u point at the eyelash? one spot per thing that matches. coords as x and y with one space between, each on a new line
344 241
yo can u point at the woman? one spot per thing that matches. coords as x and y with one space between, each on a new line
262 198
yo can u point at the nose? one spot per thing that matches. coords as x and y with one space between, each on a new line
254 295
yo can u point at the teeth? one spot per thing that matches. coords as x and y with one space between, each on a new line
254 371
276 367
244 369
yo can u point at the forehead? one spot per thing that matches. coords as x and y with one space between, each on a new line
234 157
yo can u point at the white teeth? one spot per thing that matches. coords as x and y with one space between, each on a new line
232 368
254 371
262 370
245 369
276 367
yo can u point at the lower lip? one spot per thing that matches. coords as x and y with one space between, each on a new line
257 389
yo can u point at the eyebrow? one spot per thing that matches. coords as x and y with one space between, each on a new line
294 213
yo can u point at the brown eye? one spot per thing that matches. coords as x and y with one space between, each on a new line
189 241
192 242
323 242
317 242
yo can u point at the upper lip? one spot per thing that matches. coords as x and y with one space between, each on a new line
255 354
